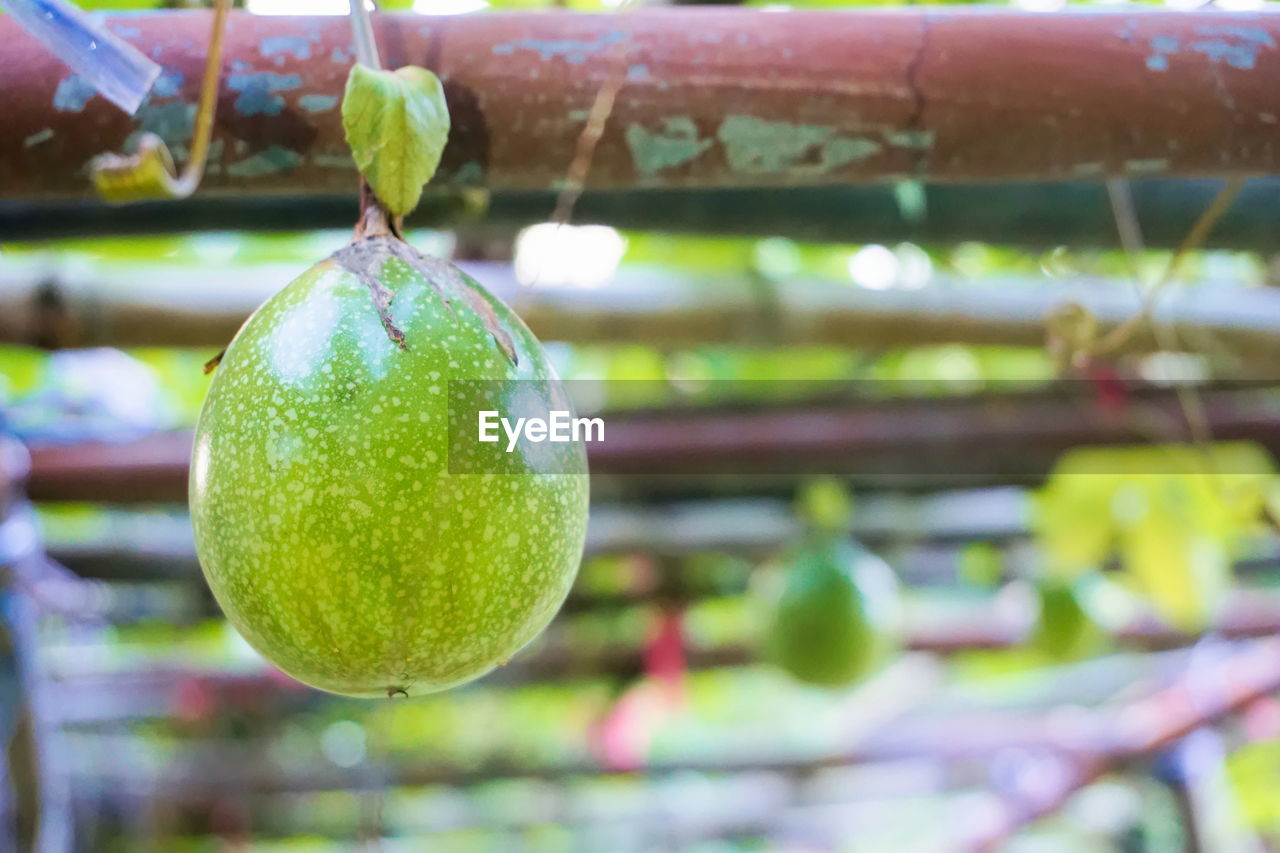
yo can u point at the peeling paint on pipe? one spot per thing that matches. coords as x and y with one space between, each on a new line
712 98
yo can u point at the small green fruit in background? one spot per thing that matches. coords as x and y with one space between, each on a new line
980 564
327 520
1065 629
837 617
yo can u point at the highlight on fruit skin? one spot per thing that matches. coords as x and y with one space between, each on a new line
837 617
327 521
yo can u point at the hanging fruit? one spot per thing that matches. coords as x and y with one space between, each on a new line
1065 628
836 618
328 521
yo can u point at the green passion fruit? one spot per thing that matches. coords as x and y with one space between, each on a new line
328 521
1065 629
837 617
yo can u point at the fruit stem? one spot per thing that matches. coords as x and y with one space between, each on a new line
375 220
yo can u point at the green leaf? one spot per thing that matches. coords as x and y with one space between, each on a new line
396 123
1178 516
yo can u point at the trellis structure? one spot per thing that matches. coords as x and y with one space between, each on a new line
725 121
135 305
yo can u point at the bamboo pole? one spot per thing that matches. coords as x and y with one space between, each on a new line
126 545
711 97
1036 215
86 696
923 535
55 306
940 442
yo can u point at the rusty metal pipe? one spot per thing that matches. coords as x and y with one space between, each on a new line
712 98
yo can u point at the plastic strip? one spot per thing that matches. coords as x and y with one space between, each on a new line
116 69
